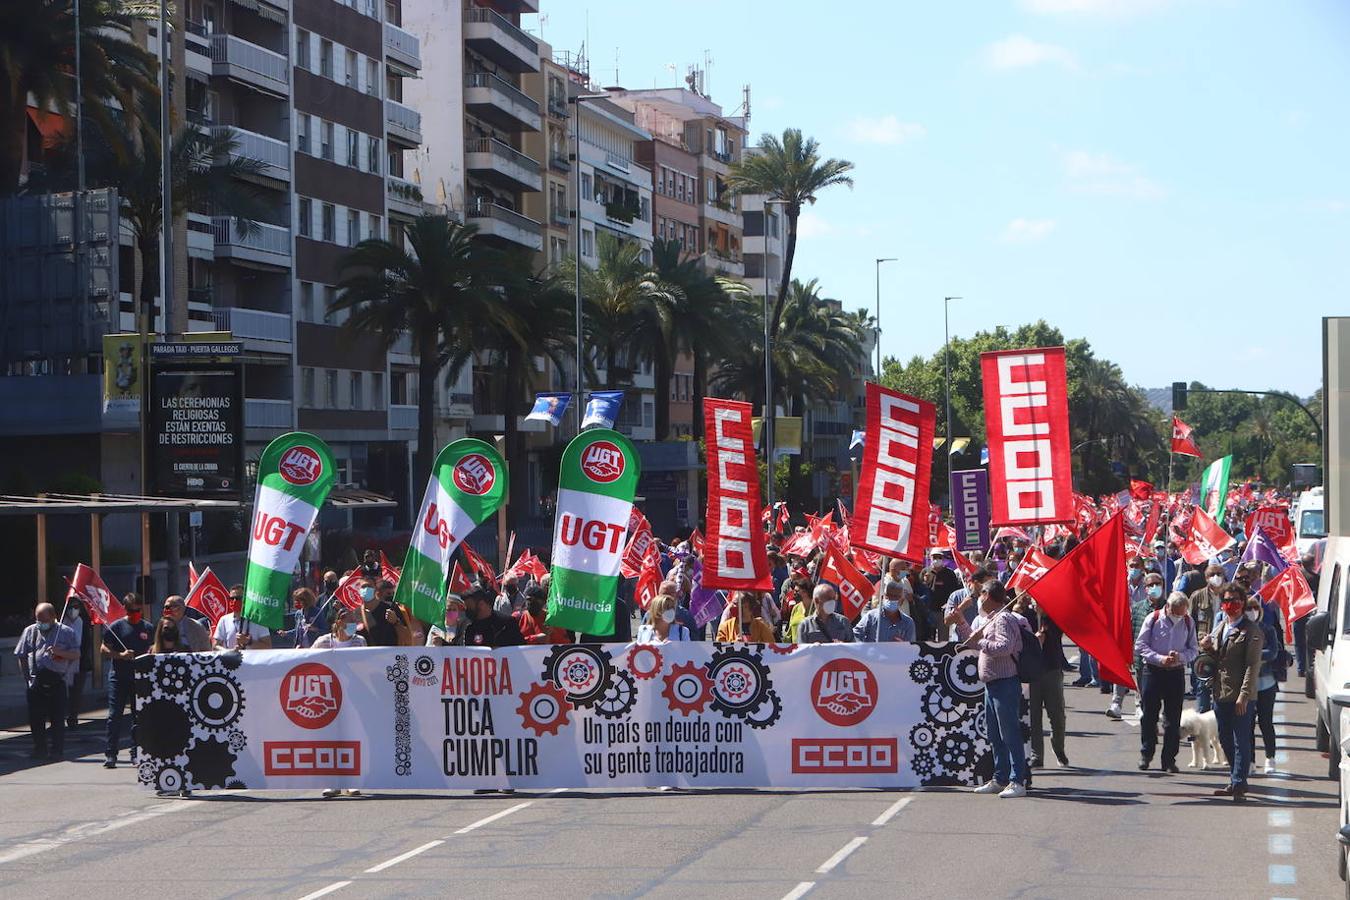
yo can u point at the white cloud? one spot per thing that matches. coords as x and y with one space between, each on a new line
1101 173
1026 231
1018 51
887 129
1105 8
810 225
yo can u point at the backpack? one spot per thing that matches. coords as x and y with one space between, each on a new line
1031 659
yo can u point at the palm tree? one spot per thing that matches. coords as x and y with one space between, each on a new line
37 58
439 290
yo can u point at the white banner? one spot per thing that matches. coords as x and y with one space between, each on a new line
568 715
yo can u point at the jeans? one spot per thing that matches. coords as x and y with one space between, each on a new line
47 704
1002 703
1301 645
1204 696
1087 668
1162 689
1235 736
1047 694
1265 716
119 699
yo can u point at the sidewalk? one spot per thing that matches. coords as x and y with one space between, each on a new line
14 695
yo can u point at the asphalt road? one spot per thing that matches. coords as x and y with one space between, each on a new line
1100 829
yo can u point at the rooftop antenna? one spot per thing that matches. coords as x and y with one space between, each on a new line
616 67
707 67
543 20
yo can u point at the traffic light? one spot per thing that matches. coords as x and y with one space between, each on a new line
1178 395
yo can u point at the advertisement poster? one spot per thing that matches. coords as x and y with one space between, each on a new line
196 430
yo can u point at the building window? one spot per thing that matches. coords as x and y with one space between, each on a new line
349 76
329 223
661 229
353 228
330 384
373 77
307 387
557 249
325 58
680 187
302 49
329 301
306 301
373 155
358 390
645 209
377 390
374 232
326 140
353 149
587 242
305 216
585 185
302 126
709 191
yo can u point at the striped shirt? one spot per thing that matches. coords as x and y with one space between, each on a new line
999 645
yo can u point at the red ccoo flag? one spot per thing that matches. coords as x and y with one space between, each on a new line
88 588
1182 442
649 579
1035 563
1293 594
1086 595
1140 490
481 567
854 588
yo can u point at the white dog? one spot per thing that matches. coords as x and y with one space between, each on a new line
1203 731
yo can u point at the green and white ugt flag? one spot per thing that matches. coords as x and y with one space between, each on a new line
596 484
295 474
1214 488
468 484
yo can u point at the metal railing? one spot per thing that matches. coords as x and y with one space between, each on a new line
619 162
251 145
477 14
482 209
502 86
254 323
405 117
557 106
560 161
402 416
267 238
504 150
404 42
226 48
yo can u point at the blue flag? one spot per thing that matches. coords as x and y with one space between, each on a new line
856 440
1262 549
984 455
549 407
602 409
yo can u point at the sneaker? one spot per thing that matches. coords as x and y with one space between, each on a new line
352 792
1113 711
1062 759
1012 792
109 762
1034 761
330 793
1144 761
1270 765
990 787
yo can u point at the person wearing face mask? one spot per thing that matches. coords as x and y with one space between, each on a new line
1166 643
1204 609
234 632
444 635
1269 677
661 625
531 619
383 622
76 618
1236 645
343 634
886 622
1145 597
49 653
308 620
998 635
124 640
746 622
192 635
484 626
822 623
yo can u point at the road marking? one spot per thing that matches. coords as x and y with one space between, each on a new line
1281 844
841 855
891 811
799 891
1282 875
494 817
403 856
324 892
91 829
1279 819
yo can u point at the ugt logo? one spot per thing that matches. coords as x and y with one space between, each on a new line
300 466
311 695
474 474
844 692
602 462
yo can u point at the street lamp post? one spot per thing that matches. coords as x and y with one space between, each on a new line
947 372
877 327
578 401
767 425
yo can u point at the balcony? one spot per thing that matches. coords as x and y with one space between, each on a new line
404 197
268 414
724 213
247 63
402 47
259 330
402 417
495 221
560 161
560 217
274 154
557 106
265 244
501 164
404 122
201 236
492 35
496 100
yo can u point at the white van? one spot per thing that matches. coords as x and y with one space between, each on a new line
1329 647
1310 522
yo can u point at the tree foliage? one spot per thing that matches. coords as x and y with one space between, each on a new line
1265 435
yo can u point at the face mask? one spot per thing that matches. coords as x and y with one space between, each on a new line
1174 618
1154 591
350 628
451 616
1253 615
133 615
1136 574
891 606
44 627
668 616
1215 580
367 594
330 584
1232 608
827 607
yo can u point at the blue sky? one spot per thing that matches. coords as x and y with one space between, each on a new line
1168 178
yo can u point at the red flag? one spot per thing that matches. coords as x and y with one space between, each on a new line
209 596
1140 490
1291 591
1017 534
890 515
843 513
348 591
867 561
1027 418
649 579
1275 521
89 589
1034 564
783 517
192 575
459 582
1207 537
481 567
527 564
854 588
636 552
1151 527
734 556
964 565
387 571
1084 510
1181 439
799 545
696 541
1086 595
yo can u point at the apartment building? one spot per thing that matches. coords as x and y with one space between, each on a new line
551 145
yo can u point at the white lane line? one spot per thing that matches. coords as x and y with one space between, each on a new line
324 892
1281 844
840 855
799 891
403 856
1283 875
891 811
1279 819
91 829
494 817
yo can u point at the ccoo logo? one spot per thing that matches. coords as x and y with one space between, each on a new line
474 474
300 466
311 695
844 692
602 462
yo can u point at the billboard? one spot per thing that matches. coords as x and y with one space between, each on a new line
197 430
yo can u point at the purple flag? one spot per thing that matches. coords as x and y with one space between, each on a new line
970 509
705 604
1262 549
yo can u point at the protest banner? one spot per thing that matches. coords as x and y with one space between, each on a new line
734 555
